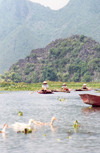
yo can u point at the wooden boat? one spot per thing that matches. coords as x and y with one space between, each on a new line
89 89
81 90
93 100
45 92
61 91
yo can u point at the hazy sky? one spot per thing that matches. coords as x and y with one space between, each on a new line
53 4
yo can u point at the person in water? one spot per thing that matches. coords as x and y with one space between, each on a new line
45 86
65 88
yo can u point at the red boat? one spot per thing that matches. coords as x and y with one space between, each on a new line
93 100
45 92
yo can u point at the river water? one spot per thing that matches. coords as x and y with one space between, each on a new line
59 138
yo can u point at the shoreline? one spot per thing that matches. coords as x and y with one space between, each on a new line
6 86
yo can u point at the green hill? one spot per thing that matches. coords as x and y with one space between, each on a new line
76 58
25 26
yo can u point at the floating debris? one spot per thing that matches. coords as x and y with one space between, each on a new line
25 131
58 139
69 137
90 107
76 124
44 135
20 113
89 133
62 99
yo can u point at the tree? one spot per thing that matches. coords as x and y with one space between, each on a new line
76 77
16 77
49 74
65 77
86 77
35 77
82 38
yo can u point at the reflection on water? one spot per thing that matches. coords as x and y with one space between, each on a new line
90 109
59 138
53 128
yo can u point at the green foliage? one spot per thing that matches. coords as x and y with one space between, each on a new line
51 50
64 44
49 74
65 77
35 77
33 56
16 78
81 38
67 60
74 68
29 68
42 61
26 71
76 77
15 67
2 76
20 113
60 76
86 77
22 27
6 86
94 65
97 48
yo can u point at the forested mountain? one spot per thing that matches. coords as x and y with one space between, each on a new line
76 58
25 25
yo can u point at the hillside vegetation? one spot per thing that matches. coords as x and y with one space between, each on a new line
76 58
25 25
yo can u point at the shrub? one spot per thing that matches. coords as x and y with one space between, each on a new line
65 77
81 38
64 43
86 77
76 77
49 74
26 71
33 56
16 78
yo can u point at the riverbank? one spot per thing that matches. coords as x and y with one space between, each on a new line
6 86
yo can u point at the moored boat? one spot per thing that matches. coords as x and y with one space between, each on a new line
61 91
82 89
45 92
93 100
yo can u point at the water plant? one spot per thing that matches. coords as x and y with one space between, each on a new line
62 99
76 124
90 107
44 135
20 113
69 137
58 139
25 131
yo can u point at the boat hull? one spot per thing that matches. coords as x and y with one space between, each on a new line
45 92
93 100
61 91
82 90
